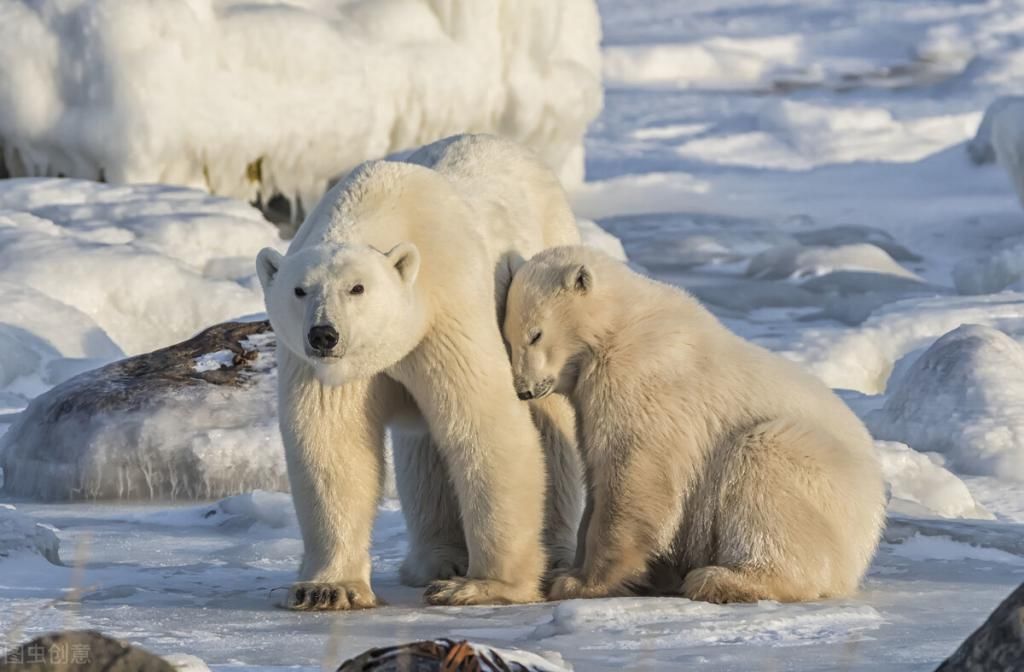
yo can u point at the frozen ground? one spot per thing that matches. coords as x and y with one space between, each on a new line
733 131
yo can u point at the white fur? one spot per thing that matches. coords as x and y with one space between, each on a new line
715 469
431 243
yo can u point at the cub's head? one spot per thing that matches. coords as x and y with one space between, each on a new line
546 319
348 310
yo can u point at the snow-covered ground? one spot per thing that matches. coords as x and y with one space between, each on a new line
800 165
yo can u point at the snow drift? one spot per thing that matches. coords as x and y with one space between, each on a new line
253 99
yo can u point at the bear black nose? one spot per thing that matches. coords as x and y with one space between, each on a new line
525 396
323 338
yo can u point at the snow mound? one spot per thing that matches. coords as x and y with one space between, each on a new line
980 147
594 236
21 534
129 262
644 624
797 261
863 359
992 273
920 485
253 99
963 398
1000 136
270 510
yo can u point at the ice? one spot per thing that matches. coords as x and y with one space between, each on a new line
253 99
20 534
919 484
964 398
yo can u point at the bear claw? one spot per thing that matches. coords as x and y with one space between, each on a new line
316 596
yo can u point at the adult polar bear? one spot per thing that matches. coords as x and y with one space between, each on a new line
387 310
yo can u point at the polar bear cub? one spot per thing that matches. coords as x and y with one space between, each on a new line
715 469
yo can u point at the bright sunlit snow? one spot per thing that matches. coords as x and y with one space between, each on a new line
808 168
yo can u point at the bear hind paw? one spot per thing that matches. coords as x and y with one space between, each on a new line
463 591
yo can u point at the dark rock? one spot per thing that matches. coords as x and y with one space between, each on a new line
194 420
80 651
443 655
998 645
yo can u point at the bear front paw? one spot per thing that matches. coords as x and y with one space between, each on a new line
317 596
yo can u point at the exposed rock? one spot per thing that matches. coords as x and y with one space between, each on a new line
998 645
80 651
194 420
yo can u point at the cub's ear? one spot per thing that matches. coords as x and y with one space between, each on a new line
267 263
579 279
405 257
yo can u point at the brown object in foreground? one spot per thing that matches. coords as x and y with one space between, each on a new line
442 655
80 651
998 645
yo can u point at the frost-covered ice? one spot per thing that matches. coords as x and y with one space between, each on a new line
261 98
728 132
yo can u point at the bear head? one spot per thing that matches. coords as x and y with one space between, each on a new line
547 301
348 310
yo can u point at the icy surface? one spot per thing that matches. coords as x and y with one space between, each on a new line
261 98
730 129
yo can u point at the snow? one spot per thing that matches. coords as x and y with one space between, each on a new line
252 99
963 397
732 131
115 256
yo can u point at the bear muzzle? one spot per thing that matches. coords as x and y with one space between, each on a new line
322 341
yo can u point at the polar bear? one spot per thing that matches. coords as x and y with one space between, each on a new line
715 469
387 310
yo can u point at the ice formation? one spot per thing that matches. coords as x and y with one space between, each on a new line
963 398
20 534
919 484
253 99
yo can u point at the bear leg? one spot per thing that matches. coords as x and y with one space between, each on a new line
334 448
556 422
437 545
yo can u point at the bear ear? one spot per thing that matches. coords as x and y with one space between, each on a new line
405 257
579 279
267 263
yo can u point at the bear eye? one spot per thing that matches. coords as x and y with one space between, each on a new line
536 338
300 292
357 289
